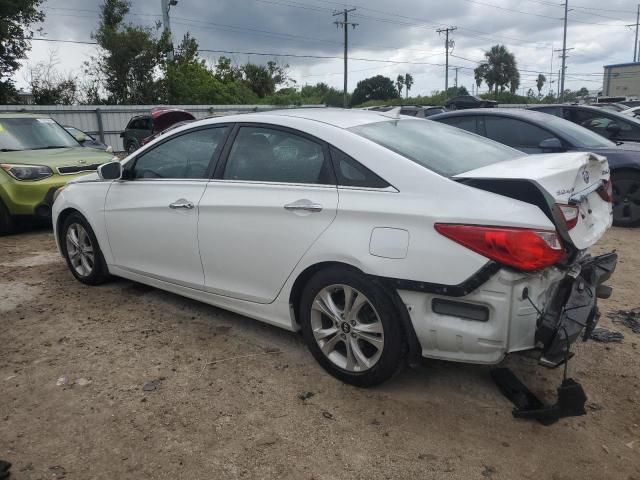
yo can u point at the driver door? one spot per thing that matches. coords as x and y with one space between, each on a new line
152 214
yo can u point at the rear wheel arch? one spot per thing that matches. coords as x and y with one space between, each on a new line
404 319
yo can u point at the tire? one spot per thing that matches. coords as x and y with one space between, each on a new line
626 198
7 224
132 146
372 325
87 264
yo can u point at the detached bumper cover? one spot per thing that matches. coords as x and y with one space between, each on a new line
573 308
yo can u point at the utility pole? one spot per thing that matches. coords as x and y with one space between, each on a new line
564 50
166 6
551 72
446 48
635 44
456 69
345 26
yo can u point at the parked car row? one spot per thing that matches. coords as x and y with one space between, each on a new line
380 236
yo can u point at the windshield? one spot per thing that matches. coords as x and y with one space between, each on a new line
33 134
580 136
438 147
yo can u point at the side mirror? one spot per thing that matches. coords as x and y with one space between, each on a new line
552 143
613 129
81 137
110 171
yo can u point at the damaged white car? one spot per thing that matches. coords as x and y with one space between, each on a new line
381 238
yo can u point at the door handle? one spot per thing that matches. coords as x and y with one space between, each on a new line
306 207
181 204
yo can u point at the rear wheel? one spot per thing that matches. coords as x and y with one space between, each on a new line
7 224
626 198
82 252
351 327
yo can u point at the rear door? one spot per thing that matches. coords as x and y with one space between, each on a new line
465 122
273 195
152 214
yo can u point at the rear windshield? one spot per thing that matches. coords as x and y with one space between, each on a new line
444 149
33 134
580 136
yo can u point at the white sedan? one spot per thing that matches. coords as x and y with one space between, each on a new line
382 238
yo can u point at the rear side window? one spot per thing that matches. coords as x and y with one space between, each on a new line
515 133
351 173
467 123
438 147
269 155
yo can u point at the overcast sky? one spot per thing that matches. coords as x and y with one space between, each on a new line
389 30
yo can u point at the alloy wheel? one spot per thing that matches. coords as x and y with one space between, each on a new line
347 328
626 199
80 250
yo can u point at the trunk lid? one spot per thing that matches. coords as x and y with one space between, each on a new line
548 180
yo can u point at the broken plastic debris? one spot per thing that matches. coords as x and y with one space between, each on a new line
62 381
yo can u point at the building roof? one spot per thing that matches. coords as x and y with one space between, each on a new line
630 64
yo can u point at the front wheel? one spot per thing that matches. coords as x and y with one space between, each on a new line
626 198
351 327
7 224
82 252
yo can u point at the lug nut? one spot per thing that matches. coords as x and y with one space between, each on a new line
343 335
353 335
353 323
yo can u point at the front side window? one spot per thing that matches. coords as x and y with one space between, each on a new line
183 156
441 148
33 134
269 155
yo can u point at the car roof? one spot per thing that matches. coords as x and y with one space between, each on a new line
337 117
497 112
22 115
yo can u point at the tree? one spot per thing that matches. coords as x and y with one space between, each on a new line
263 79
16 16
583 92
400 84
49 86
130 56
374 88
540 81
499 71
408 83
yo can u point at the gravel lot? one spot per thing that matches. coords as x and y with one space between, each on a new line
158 386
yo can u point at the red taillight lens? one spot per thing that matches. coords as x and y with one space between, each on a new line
606 191
570 214
519 248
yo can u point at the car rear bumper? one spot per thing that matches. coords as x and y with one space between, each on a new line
510 312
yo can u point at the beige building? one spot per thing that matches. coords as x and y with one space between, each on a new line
622 80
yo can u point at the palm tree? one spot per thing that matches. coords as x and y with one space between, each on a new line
399 84
408 83
540 81
500 70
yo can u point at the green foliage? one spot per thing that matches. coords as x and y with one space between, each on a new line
130 55
374 88
263 79
16 16
540 81
499 71
49 86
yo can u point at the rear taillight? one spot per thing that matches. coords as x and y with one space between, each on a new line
570 214
606 191
519 248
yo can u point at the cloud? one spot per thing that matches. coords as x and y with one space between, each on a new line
403 31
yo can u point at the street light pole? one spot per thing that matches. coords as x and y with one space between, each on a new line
564 51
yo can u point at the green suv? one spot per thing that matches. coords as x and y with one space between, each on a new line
37 156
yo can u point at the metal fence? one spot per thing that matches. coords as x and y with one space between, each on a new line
107 121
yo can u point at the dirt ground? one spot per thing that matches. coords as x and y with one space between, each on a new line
158 386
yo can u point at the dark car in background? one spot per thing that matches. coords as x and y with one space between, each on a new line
87 140
536 132
142 126
615 126
418 111
615 107
469 101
